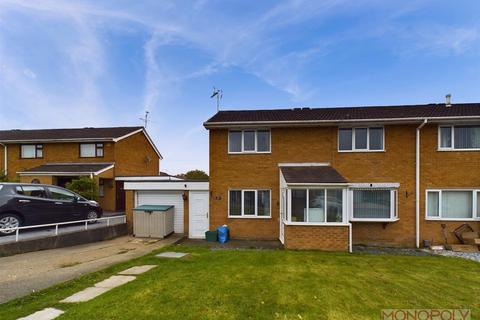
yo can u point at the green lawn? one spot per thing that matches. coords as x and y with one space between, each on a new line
250 284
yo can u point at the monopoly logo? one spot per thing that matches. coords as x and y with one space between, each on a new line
426 314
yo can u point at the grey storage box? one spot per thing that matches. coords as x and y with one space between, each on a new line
153 221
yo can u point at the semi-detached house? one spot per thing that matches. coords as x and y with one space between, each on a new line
56 156
327 178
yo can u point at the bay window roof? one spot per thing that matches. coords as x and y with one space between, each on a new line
312 174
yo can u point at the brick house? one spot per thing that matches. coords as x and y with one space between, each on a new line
56 156
328 178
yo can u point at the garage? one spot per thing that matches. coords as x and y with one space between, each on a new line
170 198
190 200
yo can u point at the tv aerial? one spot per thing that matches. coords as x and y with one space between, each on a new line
217 93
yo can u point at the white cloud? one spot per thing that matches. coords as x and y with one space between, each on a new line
29 73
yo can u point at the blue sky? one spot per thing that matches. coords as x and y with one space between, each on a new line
103 63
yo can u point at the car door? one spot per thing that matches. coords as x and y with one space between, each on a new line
67 207
32 202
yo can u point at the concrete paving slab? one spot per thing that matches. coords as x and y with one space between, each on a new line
174 255
138 269
114 281
45 314
85 295
23 273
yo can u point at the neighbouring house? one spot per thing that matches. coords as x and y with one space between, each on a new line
327 178
56 156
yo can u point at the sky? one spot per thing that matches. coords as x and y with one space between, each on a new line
67 63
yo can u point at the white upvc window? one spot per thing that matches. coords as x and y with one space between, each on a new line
373 204
315 205
361 139
452 204
91 150
249 141
459 137
249 203
31 151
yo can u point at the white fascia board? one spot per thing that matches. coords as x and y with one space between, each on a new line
32 173
148 178
59 140
146 136
128 135
166 185
234 124
375 185
104 169
304 164
318 184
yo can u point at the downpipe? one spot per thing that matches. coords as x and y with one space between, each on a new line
417 183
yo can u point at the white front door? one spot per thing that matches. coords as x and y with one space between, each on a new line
198 214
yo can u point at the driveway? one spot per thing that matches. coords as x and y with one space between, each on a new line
24 273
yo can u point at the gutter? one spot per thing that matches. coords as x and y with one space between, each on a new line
417 183
5 170
235 124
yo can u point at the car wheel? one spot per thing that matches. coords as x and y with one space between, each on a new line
93 216
9 221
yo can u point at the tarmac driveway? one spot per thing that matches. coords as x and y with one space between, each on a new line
24 273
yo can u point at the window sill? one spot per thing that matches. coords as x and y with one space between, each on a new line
457 150
374 220
360 151
249 217
317 224
251 152
451 219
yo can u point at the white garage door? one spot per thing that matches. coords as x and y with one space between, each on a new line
173 198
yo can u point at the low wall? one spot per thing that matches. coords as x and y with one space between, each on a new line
326 238
64 240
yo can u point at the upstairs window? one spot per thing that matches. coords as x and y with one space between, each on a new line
360 139
249 141
31 151
459 137
91 150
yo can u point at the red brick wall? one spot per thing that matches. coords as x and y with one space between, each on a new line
325 238
444 169
319 144
316 144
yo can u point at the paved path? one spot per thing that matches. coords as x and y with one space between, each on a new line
23 273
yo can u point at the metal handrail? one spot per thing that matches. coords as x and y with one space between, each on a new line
17 229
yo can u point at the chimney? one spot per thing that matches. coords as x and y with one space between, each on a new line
448 100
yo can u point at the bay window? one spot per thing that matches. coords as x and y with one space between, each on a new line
249 141
452 204
316 205
360 139
373 204
249 203
464 137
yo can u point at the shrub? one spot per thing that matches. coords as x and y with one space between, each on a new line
84 186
